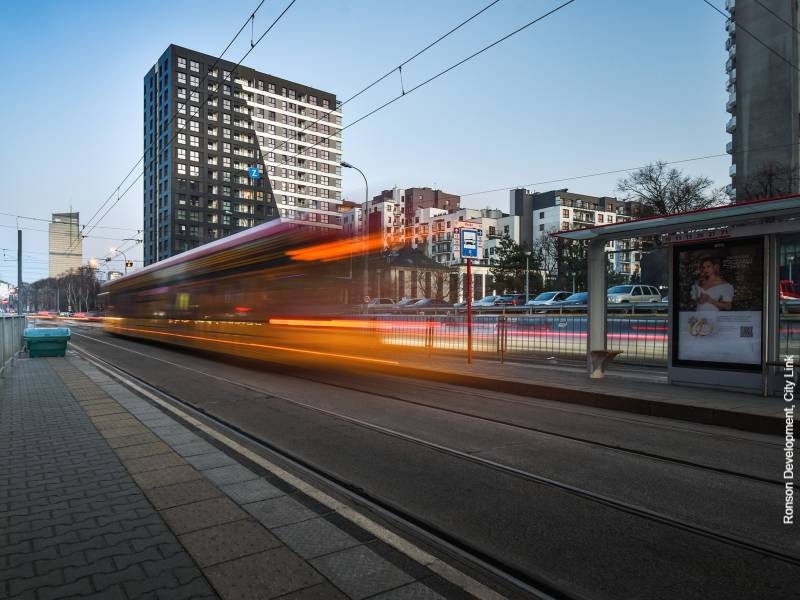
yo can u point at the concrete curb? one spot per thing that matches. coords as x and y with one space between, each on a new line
655 408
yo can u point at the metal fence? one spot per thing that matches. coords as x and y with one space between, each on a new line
11 328
642 338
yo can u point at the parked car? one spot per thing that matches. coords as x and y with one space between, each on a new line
378 304
428 303
512 300
578 298
548 298
487 301
621 294
405 302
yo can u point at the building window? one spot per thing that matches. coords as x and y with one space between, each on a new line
194 66
194 81
181 154
194 170
565 213
194 126
194 156
194 140
182 138
181 62
181 169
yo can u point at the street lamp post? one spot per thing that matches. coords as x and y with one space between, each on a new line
347 165
527 275
123 256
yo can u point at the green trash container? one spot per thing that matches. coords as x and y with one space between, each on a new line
46 341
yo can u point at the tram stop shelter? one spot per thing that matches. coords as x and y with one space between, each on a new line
733 292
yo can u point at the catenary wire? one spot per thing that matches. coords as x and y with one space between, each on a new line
439 74
756 38
196 110
626 170
325 116
250 18
777 16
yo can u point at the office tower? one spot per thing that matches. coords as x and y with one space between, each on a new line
227 148
65 243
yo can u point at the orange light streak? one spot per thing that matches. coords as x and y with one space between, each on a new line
337 249
354 323
266 346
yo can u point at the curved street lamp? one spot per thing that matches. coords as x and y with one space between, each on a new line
347 165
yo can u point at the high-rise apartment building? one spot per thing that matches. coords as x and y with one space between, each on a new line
227 147
763 98
65 243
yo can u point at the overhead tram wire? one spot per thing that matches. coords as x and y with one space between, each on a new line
249 19
388 73
777 16
207 96
627 170
756 38
91 237
26 218
439 74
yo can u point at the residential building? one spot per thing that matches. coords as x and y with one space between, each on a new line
351 216
561 210
416 198
227 148
763 98
65 243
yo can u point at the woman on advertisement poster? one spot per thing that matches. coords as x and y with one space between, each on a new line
711 292
719 291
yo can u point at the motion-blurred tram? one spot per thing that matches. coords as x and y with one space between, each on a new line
277 292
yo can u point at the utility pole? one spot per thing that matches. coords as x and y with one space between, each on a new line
20 304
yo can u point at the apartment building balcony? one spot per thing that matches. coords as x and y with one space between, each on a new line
730 65
730 190
729 147
732 77
580 217
730 6
732 170
731 103
730 126
730 27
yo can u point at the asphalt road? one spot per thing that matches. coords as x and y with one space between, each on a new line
566 496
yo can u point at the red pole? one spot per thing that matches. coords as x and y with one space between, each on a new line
469 311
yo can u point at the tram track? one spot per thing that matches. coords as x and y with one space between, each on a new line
684 525
316 376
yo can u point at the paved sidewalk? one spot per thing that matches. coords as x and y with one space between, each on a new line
632 389
104 495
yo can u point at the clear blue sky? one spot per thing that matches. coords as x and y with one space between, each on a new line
601 85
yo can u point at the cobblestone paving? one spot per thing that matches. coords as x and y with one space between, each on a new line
108 496
73 523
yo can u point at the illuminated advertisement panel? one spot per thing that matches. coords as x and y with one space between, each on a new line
718 299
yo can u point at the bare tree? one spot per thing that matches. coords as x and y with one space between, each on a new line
547 250
771 180
664 191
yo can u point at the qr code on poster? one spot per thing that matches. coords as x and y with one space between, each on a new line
746 331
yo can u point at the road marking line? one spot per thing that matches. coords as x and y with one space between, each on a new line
436 565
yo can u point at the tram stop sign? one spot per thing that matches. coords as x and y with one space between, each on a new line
469 243
254 173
